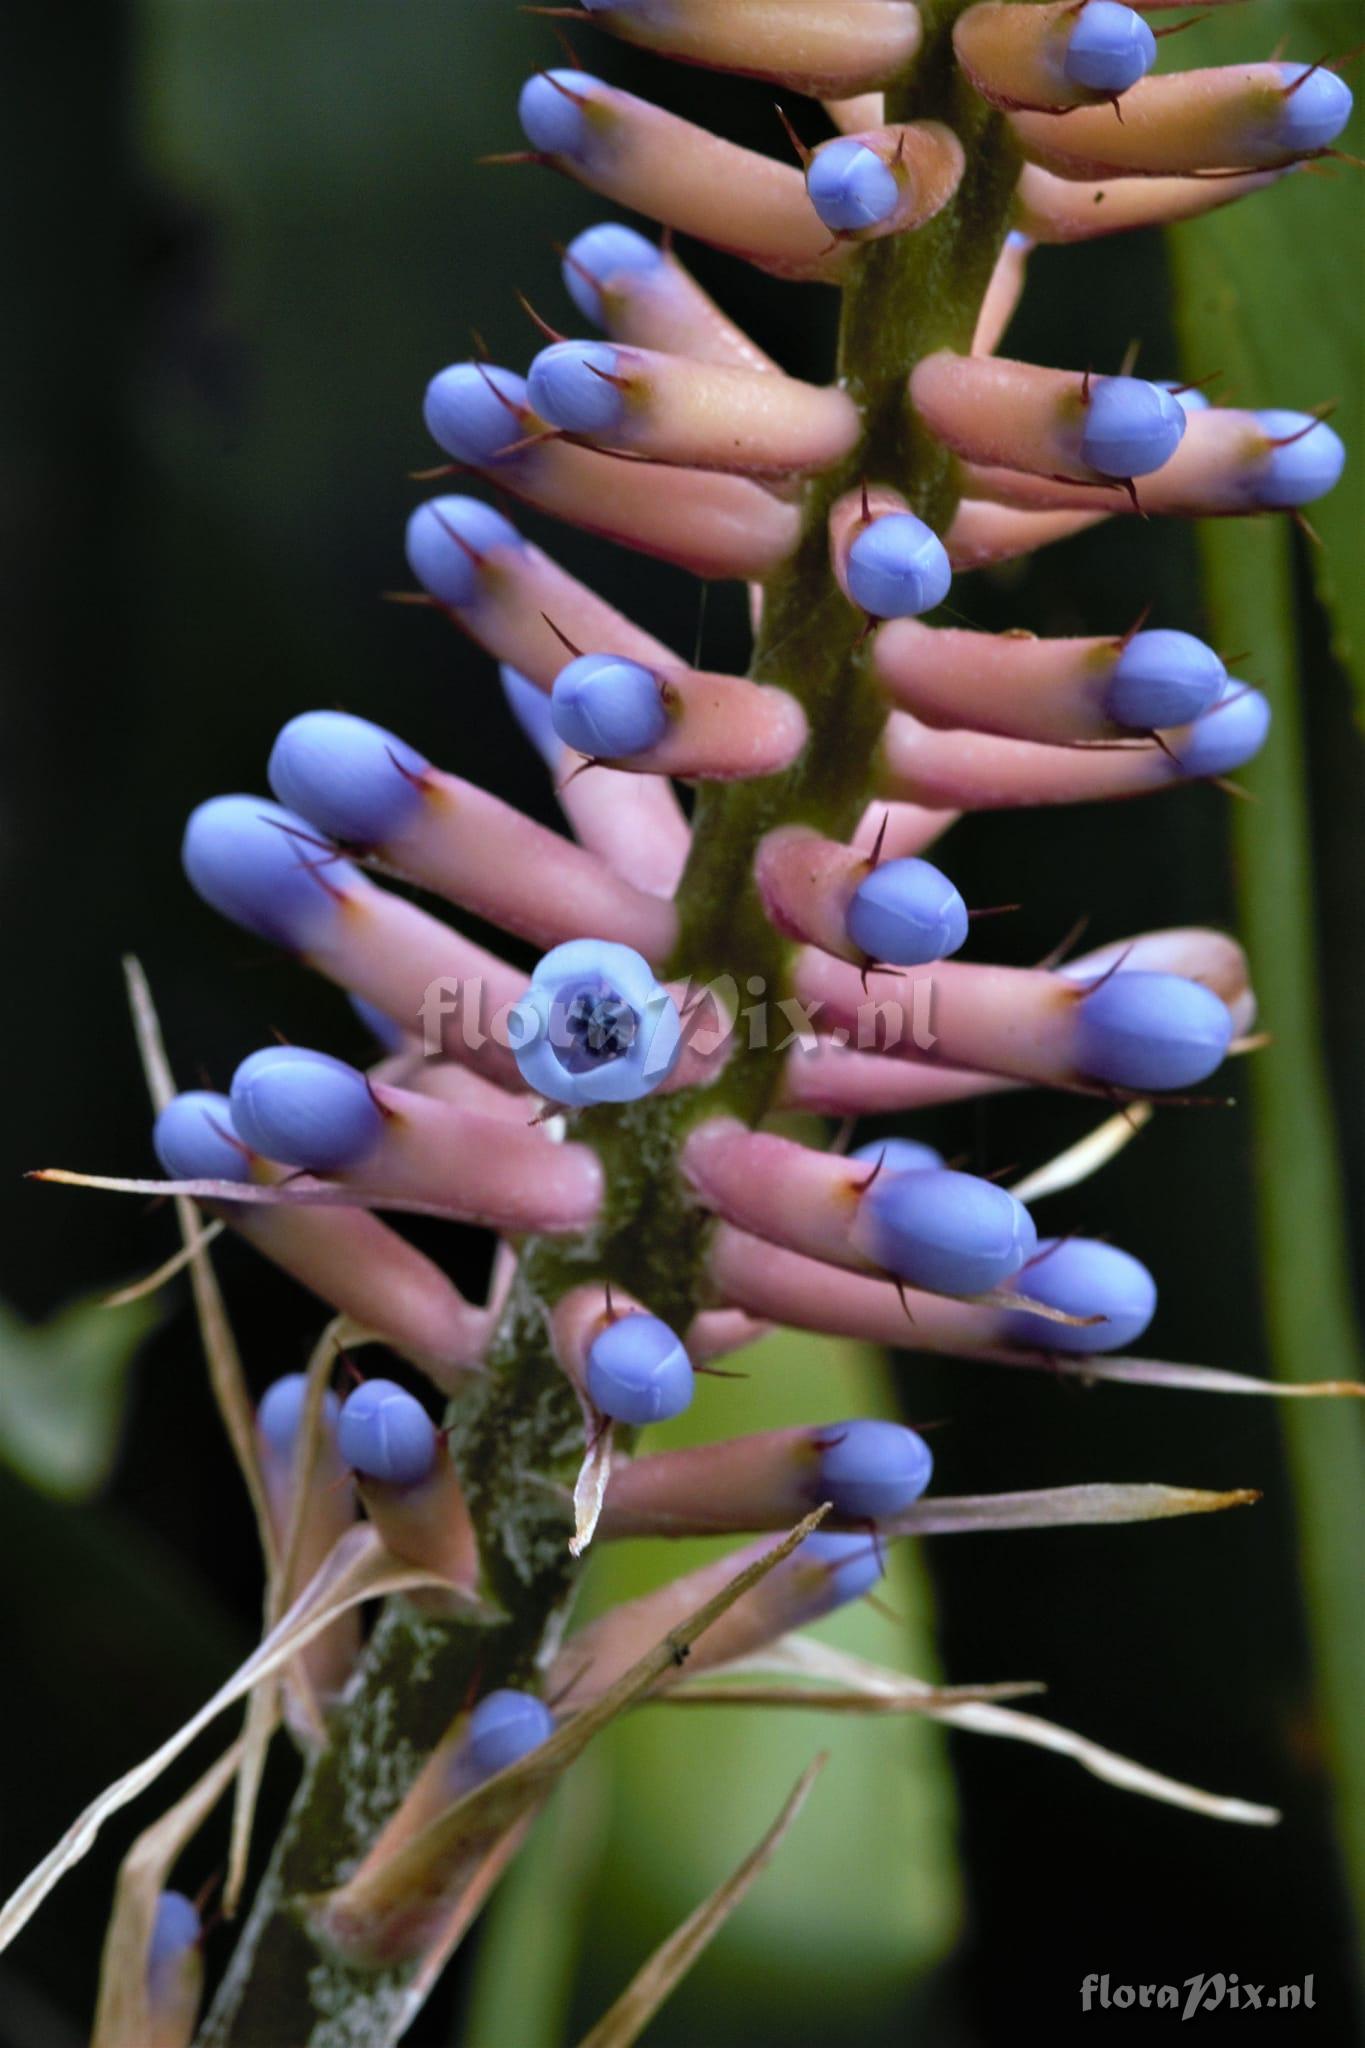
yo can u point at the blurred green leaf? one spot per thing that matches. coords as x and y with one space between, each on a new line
690 1793
1304 1270
1269 293
63 1385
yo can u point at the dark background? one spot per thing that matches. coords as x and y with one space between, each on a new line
239 238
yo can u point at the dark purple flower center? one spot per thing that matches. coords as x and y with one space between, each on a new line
591 1025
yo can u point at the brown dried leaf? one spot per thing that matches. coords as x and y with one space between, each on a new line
394 1906
590 1488
1086 1157
803 1656
226 1377
1060 1507
670 1963
1160 1372
121 2017
263 1706
358 1569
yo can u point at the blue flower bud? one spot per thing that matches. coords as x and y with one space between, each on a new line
871 1470
1151 1031
1110 48
638 1372
471 411
1186 397
534 714
950 1233
595 1026
1314 115
350 779
1228 736
898 567
907 912
441 565
850 187
1131 427
261 866
176 1930
597 256
1163 678
280 1414
608 707
550 114
305 1108
386 1030
1084 1278
851 1565
570 386
383 1433
195 1138
504 1727
1305 465
897 1155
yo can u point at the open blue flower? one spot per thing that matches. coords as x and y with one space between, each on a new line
595 1026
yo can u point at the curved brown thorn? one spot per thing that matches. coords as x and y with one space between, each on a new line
552 333
875 856
561 637
803 154
609 377
1137 626
1064 946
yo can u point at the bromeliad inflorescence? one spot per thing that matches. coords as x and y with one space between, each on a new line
609 1115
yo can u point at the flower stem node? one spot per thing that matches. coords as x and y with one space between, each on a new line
1085 1278
869 1471
638 1372
950 1233
385 1434
595 1026
1150 1031
305 1109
